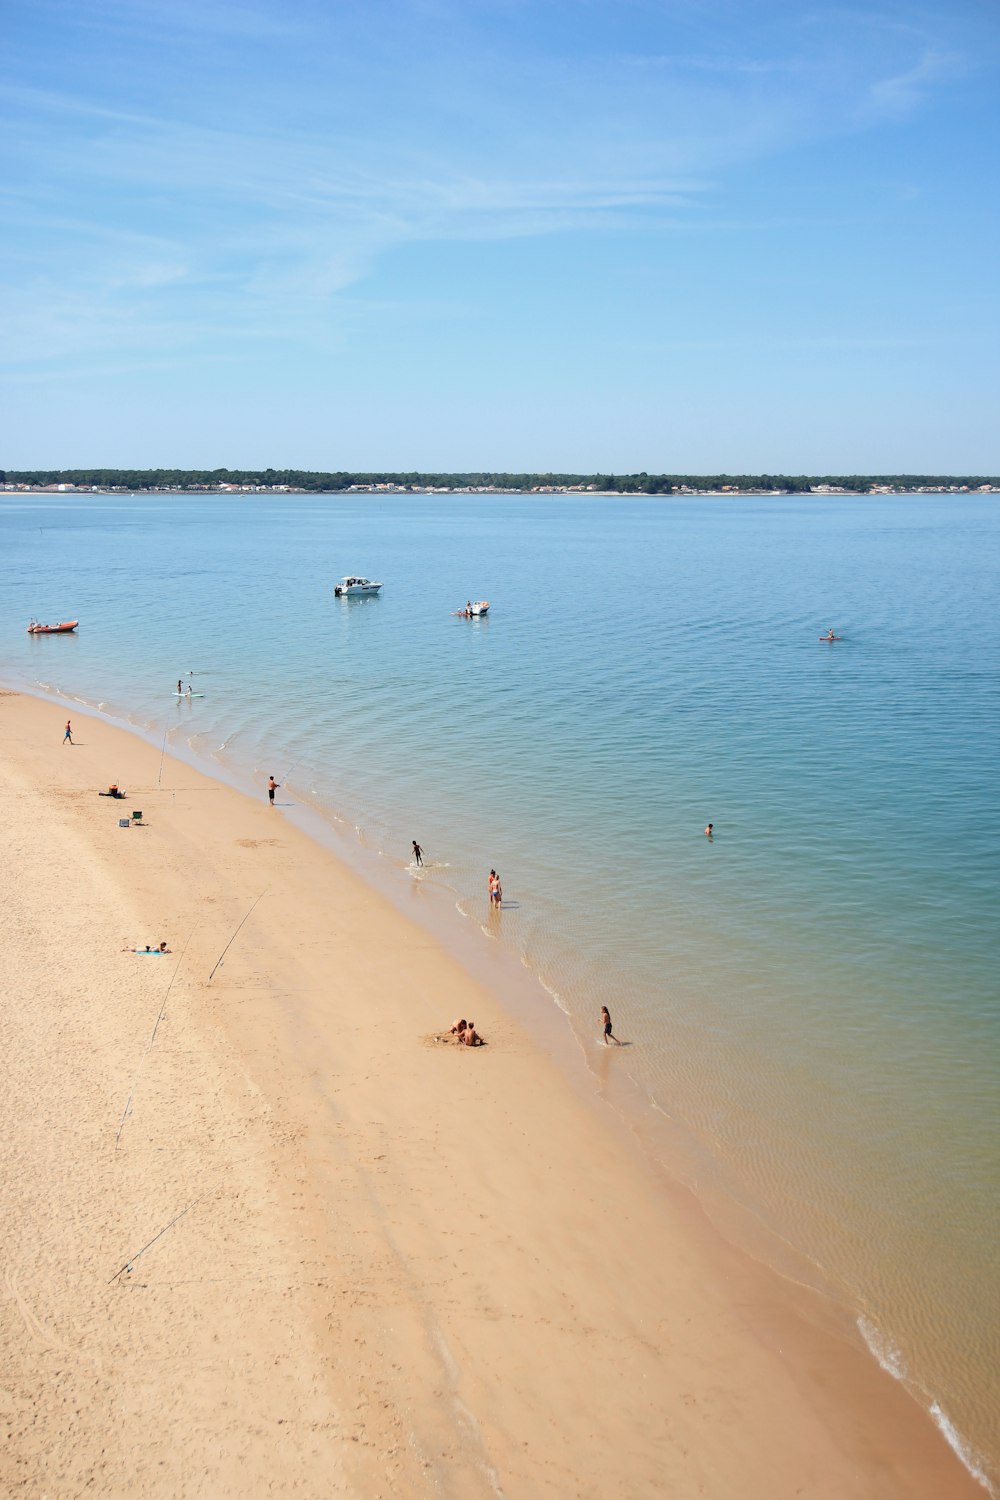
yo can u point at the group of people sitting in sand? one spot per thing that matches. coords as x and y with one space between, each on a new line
466 1033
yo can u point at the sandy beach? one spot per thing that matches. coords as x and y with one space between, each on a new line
266 1233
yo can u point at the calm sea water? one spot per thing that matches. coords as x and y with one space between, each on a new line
812 997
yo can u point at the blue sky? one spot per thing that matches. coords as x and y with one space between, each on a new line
662 235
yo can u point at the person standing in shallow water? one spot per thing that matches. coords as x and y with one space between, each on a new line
272 787
708 830
609 1035
418 853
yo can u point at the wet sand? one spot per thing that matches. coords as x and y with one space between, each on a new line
266 1233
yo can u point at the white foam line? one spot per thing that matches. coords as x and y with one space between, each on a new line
555 995
959 1446
882 1349
890 1358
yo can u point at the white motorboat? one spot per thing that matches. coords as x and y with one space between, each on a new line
475 611
349 588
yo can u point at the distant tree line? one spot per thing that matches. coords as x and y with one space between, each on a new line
642 484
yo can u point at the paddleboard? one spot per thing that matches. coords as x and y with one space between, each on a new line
189 695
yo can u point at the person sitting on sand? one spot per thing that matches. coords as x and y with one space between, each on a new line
458 1027
470 1037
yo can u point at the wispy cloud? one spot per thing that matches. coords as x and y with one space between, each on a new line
192 197
899 95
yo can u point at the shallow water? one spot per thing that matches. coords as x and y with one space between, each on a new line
812 996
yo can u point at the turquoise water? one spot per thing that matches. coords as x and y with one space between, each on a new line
812 997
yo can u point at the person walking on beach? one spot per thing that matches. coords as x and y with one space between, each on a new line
68 735
609 1035
418 853
272 787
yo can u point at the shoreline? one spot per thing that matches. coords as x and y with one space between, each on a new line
857 1430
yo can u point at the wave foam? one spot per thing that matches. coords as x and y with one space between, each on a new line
890 1358
880 1346
555 995
969 1457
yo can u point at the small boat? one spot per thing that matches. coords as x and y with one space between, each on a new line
67 625
351 587
475 611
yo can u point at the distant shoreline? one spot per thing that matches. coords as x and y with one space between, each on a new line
688 488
